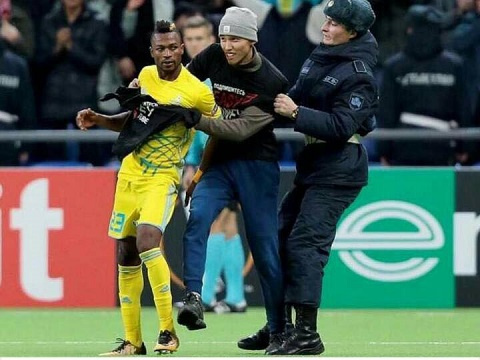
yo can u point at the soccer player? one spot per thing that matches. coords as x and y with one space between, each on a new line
147 189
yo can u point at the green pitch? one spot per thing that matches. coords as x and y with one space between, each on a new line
81 332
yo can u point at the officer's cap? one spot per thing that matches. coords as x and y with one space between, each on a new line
355 15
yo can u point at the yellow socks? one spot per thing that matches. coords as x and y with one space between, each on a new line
159 277
130 286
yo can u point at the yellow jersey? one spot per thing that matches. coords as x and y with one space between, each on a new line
163 152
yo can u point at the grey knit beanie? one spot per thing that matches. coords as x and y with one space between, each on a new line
241 22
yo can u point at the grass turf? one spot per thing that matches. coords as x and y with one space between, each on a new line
85 332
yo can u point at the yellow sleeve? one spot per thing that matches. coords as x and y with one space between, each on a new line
206 103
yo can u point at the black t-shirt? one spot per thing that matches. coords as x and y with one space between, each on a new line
236 89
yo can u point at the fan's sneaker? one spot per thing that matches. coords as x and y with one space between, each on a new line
258 341
191 314
126 348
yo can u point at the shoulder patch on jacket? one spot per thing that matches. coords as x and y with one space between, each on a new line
306 67
331 80
359 66
356 101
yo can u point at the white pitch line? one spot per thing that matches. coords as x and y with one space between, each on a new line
406 343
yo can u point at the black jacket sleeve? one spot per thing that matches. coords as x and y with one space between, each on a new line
356 102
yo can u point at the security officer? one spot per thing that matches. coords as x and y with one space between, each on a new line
424 87
333 103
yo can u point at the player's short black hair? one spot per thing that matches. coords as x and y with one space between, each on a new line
165 27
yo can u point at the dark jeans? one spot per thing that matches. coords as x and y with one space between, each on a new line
308 220
254 184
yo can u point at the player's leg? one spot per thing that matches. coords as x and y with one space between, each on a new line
130 277
211 195
157 199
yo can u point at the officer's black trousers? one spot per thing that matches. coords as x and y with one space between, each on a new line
307 223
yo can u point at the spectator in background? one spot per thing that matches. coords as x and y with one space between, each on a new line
71 50
197 35
17 107
131 23
185 10
16 28
424 87
464 39
389 28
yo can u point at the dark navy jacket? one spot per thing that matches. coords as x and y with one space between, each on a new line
428 81
338 98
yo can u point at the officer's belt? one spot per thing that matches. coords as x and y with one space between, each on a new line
355 139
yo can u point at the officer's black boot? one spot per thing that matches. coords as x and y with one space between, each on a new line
303 339
288 318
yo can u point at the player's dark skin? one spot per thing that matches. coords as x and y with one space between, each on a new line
166 50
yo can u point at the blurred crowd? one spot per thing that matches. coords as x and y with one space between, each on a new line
60 56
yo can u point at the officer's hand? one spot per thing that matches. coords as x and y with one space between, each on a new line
189 192
284 105
86 118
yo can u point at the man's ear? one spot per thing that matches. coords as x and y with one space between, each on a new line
353 34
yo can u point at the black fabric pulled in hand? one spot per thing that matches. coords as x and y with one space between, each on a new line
147 117
128 98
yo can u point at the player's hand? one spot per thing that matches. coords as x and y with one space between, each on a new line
134 83
86 118
189 192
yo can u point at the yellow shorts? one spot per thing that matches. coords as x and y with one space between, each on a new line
142 201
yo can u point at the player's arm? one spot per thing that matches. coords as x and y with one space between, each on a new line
251 120
87 118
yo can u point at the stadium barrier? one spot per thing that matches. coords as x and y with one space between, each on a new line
409 241
283 134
